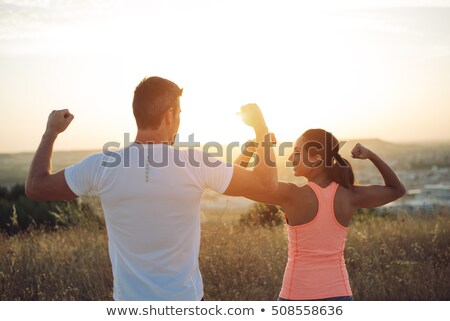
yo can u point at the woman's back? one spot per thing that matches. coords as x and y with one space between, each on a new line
319 213
316 266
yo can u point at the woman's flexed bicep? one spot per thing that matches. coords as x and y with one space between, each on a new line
374 195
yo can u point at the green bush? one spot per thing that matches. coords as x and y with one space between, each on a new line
19 213
260 214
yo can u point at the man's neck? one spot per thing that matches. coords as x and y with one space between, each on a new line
152 137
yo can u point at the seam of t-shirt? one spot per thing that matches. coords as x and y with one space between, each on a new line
227 179
67 175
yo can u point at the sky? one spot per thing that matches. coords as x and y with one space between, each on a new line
360 69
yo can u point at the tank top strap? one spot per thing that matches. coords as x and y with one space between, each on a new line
331 188
325 195
314 187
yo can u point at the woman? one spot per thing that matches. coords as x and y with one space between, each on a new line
318 214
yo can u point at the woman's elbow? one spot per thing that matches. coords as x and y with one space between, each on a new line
400 191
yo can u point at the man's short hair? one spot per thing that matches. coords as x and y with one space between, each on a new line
152 97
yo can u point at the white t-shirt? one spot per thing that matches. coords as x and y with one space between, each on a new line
151 204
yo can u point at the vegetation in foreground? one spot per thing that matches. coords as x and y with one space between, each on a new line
390 257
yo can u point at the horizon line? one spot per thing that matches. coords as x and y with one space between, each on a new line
404 143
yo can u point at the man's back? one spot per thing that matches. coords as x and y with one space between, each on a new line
152 215
151 201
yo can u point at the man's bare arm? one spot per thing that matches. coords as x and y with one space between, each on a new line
263 177
41 184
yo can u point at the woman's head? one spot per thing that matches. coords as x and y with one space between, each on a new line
316 152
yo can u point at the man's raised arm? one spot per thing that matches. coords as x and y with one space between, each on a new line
41 184
263 177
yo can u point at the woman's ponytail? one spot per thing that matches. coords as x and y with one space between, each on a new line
343 175
339 169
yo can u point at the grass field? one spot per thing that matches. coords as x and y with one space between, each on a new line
395 257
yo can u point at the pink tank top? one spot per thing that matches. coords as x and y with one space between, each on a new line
316 266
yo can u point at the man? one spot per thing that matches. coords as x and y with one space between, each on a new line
151 193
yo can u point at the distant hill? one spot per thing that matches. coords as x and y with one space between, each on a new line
14 167
380 146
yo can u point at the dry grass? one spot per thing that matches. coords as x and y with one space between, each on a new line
242 263
62 265
399 258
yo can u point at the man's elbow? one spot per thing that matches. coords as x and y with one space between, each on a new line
270 185
29 188
33 192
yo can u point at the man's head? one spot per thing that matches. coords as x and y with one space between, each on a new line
155 101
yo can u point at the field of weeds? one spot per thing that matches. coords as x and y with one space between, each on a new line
392 257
